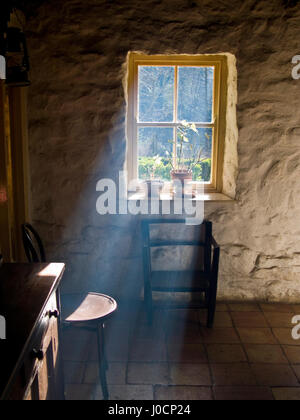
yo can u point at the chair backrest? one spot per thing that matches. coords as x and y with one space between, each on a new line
202 240
33 245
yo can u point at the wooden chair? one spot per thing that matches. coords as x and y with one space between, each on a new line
33 245
195 280
88 311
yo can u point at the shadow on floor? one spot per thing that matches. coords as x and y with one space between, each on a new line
249 355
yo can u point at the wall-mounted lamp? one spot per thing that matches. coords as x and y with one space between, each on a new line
17 60
14 48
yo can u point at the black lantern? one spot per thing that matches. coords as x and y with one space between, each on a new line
13 47
17 60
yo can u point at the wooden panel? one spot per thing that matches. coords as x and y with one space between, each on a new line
20 173
46 370
5 216
14 208
27 293
29 396
47 381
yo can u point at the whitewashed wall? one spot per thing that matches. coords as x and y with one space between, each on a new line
77 136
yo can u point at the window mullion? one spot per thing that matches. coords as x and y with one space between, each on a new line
176 95
175 115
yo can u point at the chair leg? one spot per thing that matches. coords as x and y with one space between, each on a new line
103 366
149 303
104 347
212 303
211 315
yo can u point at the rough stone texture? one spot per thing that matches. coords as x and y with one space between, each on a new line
77 135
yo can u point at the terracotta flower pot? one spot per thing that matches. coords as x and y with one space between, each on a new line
154 187
183 176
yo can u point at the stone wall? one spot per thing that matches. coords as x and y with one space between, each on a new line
77 136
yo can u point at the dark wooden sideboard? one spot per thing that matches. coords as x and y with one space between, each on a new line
30 364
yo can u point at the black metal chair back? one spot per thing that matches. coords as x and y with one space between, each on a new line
203 281
33 245
203 242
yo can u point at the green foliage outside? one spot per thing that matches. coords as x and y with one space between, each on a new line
201 172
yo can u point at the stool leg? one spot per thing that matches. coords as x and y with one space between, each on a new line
102 362
102 330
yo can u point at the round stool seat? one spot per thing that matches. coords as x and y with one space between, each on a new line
88 308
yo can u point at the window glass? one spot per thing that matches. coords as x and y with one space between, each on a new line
155 146
195 94
156 94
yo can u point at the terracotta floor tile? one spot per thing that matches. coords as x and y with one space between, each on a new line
276 307
222 307
296 369
296 309
182 393
220 335
243 394
226 353
147 351
182 315
187 337
265 354
222 320
292 353
284 336
179 327
76 351
286 394
116 334
233 374
147 332
131 393
76 334
275 375
187 353
91 373
74 372
116 374
187 332
257 336
116 350
148 374
83 392
190 374
279 320
249 320
244 307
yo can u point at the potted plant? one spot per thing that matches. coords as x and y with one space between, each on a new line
154 186
182 165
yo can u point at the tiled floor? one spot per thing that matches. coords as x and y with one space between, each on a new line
249 355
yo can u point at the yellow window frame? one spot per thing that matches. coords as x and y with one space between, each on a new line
218 125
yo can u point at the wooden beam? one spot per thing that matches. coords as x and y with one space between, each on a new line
20 171
5 209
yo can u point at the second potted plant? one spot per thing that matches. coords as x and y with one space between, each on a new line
182 165
154 186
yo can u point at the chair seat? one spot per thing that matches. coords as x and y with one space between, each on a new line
179 281
89 307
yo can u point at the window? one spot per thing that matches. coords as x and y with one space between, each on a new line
165 95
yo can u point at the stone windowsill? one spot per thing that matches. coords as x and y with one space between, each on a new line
209 197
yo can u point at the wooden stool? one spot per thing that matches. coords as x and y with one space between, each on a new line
90 312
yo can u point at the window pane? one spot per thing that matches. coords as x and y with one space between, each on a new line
156 94
155 147
195 94
196 153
